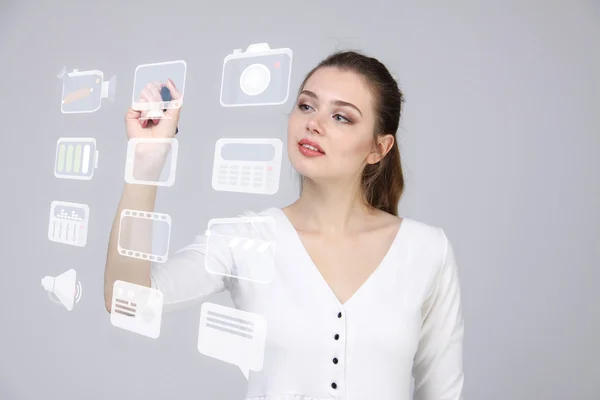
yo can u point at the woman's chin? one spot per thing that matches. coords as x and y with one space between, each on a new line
315 175
305 168
313 169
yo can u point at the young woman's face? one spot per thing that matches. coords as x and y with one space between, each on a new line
334 114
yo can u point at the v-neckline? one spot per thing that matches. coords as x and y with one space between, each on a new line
324 282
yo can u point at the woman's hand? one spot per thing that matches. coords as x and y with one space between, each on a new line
149 156
137 123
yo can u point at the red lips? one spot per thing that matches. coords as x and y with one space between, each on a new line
311 143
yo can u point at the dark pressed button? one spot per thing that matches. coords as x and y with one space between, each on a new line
336 337
339 315
335 360
333 385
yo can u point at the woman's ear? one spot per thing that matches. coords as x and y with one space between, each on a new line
381 147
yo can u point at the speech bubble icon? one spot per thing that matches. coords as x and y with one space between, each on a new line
231 335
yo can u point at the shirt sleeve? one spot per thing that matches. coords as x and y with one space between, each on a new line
187 278
438 364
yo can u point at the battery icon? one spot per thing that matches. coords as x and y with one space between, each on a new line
76 158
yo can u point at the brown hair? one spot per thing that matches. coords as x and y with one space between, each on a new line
382 183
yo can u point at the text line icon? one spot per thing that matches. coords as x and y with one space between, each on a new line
233 336
137 308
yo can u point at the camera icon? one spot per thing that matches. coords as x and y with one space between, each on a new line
258 77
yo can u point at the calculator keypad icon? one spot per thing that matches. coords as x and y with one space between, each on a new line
259 175
255 178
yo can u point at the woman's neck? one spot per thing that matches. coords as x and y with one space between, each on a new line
332 209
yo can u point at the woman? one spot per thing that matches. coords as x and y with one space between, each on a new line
361 299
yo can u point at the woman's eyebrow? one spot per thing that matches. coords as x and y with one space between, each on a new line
336 102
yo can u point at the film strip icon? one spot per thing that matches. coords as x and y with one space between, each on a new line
158 217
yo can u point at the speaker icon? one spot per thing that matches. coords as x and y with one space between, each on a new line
64 289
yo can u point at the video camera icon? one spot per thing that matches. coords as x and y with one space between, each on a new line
260 76
83 91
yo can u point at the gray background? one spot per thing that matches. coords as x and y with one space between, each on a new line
500 141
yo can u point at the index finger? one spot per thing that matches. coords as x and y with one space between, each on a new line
175 94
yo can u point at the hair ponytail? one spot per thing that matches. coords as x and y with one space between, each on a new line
383 183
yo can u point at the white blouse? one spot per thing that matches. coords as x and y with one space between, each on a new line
405 321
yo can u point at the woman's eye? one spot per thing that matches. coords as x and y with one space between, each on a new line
337 117
340 118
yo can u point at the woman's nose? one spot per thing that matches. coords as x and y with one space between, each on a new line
314 126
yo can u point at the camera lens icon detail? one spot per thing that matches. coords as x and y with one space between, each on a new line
260 76
255 79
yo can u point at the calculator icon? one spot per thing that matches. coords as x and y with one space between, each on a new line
247 165
68 223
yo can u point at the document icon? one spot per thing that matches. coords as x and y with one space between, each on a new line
231 335
137 309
